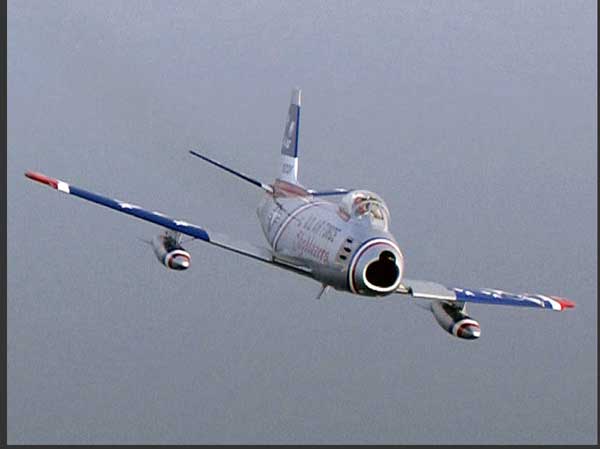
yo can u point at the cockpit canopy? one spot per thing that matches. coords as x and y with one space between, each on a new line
362 204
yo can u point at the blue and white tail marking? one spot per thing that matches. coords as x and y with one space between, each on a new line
289 145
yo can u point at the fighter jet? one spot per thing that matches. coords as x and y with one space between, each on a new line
346 245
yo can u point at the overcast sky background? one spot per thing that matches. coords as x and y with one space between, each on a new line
476 121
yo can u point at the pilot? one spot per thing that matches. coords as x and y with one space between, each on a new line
362 205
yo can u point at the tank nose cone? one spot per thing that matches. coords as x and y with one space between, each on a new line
179 262
469 332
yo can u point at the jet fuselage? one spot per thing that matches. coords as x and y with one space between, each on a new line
345 250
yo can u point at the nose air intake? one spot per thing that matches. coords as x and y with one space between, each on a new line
376 268
383 272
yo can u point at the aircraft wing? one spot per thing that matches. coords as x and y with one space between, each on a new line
438 292
181 226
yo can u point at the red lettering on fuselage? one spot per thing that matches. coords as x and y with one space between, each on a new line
306 246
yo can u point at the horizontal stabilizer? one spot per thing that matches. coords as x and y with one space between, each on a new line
239 174
328 192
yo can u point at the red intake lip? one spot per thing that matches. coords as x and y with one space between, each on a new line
358 256
355 261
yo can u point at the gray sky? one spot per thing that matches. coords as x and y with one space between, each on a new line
476 121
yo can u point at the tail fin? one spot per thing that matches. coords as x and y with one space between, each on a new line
289 145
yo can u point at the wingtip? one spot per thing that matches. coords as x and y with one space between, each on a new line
564 303
39 177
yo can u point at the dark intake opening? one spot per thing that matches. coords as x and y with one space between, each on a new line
384 272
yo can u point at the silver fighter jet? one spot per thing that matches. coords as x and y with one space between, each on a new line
346 245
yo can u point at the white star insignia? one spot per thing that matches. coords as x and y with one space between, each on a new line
181 223
128 206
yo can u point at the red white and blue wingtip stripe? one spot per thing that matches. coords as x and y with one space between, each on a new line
54 183
127 208
494 296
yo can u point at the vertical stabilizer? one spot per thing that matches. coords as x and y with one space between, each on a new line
289 145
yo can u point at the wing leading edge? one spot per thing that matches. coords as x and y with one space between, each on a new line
438 292
220 240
